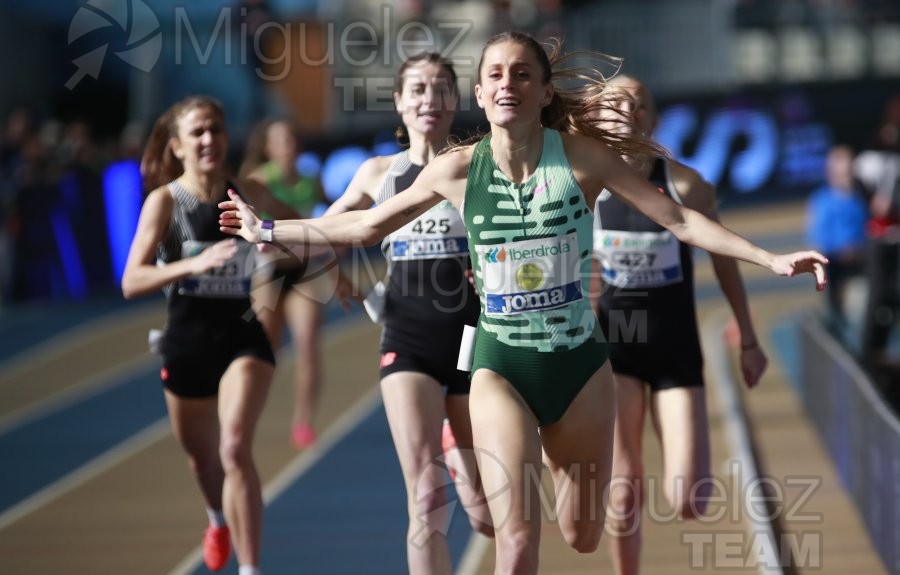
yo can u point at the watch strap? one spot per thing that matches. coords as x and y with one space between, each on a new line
267 231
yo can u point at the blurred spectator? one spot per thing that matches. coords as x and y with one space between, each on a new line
836 225
879 171
38 270
131 142
19 126
82 206
19 129
77 148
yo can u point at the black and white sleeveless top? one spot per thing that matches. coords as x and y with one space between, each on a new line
644 265
193 228
428 294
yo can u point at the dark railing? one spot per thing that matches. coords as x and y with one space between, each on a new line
860 431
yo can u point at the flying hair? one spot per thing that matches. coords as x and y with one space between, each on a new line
579 93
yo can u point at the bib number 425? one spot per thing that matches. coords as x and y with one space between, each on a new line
441 226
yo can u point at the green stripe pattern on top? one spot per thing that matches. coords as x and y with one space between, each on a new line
549 215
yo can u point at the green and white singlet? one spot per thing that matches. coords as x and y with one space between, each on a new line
531 245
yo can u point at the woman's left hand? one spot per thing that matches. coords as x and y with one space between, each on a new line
239 219
802 262
345 292
753 364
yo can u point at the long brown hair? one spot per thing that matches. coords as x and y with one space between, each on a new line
429 57
159 166
578 94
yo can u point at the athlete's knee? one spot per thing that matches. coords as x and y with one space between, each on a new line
517 550
625 503
584 536
689 495
234 449
426 499
626 494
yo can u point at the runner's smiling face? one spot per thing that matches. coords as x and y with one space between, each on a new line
511 86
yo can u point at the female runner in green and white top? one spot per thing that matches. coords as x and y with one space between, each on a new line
544 154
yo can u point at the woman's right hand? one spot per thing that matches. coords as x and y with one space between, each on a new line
215 256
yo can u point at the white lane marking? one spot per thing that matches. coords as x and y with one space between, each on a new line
96 384
119 374
734 420
75 336
337 431
86 472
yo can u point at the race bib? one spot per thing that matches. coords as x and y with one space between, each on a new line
638 259
232 280
530 275
438 233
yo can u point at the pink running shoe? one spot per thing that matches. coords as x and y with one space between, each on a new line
448 444
216 547
302 436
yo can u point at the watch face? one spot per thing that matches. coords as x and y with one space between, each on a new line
265 230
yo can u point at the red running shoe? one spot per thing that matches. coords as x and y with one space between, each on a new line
216 547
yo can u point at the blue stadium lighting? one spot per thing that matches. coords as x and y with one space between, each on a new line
746 170
752 168
122 194
339 169
385 143
386 148
308 164
73 270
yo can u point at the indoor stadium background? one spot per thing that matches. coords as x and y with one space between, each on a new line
751 93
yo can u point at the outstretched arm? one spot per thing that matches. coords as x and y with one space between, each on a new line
443 177
698 194
597 167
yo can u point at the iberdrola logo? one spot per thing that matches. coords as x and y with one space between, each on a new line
610 240
139 25
496 255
